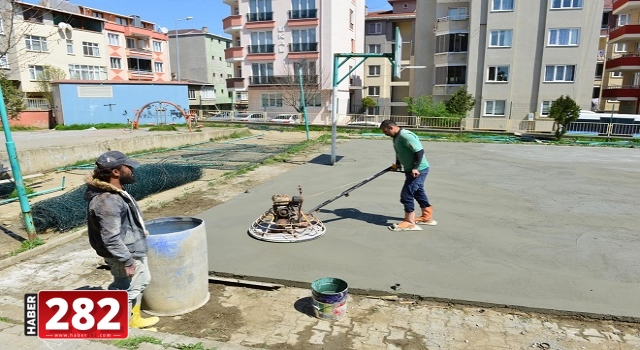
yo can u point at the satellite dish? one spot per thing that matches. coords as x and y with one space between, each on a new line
164 30
69 27
62 26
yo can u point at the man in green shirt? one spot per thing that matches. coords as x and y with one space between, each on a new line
410 158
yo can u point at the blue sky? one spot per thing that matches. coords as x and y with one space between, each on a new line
205 13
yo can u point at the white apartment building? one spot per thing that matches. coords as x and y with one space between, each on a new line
514 56
271 38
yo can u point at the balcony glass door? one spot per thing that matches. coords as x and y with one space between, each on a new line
261 42
303 9
262 73
304 40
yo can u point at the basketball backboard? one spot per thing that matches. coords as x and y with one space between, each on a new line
397 54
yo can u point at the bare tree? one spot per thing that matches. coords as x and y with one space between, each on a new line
313 83
49 74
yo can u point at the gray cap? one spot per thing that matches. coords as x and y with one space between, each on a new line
114 159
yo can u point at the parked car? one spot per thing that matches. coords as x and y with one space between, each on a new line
250 117
364 123
285 119
218 116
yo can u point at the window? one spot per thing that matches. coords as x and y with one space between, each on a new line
374 91
375 28
4 62
139 65
35 43
544 109
208 93
374 71
308 67
262 72
122 21
192 94
451 75
559 73
114 39
304 40
623 19
501 5
98 15
131 43
494 108
315 100
261 42
32 15
498 74
452 43
375 48
500 38
157 46
84 72
272 100
351 19
620 47
90 49
157 67
599 70
566 4
36 72
69 47
116 62
458 13
616 74
564 37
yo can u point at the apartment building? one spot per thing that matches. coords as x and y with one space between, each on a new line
380 83
621 80
274 39
514 56
204 66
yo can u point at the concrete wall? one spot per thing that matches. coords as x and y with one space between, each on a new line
39 119
125 97
47 158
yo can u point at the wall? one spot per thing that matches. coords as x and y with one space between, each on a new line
126 98
39 119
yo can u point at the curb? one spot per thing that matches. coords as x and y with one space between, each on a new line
49 244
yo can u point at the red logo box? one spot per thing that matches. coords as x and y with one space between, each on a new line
83 314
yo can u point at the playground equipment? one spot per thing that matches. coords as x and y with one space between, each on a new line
160 109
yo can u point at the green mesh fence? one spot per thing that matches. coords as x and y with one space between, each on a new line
69 210
6 189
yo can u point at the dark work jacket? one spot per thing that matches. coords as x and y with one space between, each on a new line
115 230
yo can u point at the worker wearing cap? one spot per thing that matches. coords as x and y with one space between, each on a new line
410 157
117 231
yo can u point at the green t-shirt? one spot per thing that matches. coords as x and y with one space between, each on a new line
406 144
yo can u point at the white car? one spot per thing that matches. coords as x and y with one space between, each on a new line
364 123
250 117
285 119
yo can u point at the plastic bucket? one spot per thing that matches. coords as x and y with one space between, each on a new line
329 296
177 258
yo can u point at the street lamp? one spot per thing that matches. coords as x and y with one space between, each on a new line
178 44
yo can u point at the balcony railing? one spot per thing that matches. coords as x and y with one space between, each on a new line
301 14
259 16
308 79
36 104
303 47
262 80
267 48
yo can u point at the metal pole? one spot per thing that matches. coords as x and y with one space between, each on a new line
334 107
303 103
17 174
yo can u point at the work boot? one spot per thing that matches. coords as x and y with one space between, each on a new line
138 322
427 217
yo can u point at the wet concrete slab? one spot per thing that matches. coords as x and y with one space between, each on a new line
540 227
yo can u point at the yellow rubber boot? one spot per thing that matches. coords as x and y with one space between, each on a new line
138 322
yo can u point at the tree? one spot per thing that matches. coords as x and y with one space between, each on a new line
460 102
49 74
367 103
312 82
424 106
563 111
12 97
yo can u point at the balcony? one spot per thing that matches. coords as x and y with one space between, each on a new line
452 24
310 79
263 80
627 32
303 14
445 89
232 24
230 2
259 16
234 54
266 48
625 6
36 104
628 61
139 52
303 47
236 84
621 92
140 75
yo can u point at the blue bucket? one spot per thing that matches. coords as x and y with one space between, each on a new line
329 298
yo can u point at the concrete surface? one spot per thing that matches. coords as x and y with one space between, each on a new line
49 149
532 226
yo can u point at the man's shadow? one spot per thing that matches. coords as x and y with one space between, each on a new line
355 214
101 267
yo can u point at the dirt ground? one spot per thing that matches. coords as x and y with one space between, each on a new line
283 318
